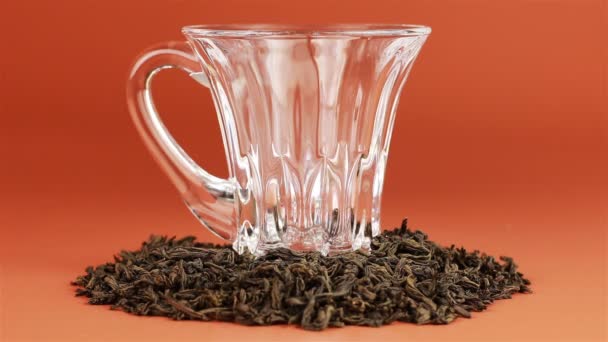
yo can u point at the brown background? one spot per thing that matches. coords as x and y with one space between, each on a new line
500 144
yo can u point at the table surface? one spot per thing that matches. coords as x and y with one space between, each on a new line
564 255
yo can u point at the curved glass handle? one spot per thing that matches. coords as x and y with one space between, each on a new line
210 198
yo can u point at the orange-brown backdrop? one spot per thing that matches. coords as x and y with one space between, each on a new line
500 144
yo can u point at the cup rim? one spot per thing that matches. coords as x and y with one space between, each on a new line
291 30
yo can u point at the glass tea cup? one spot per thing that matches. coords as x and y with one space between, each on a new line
306 115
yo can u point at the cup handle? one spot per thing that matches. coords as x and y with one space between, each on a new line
211 199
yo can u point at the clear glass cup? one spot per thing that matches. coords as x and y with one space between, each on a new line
306 115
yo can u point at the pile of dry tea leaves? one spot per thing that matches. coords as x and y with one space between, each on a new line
405 277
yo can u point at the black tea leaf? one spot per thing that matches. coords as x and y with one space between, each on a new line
404 277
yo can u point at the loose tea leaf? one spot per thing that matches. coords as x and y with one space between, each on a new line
405 277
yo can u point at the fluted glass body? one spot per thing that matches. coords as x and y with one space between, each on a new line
306 117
